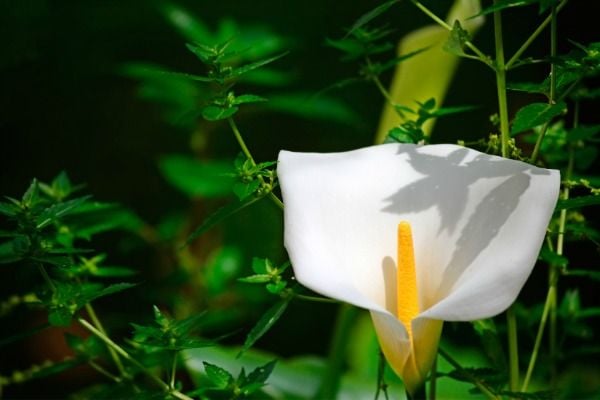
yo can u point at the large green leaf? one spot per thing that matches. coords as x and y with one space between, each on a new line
197 178
536 114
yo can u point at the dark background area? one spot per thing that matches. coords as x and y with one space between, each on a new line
64 105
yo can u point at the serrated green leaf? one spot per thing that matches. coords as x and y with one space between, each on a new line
248 98
370 15
236 72
8 209
536 114
59 210
219 215
256 279
529 87
197 178
265 323
218 376
244 189
257 378
9 252
504 4
217 113
578 202
456 40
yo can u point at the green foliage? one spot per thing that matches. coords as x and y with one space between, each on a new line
197 178
457 39
168 334
411 131
536 114
225 386
266 322
266 273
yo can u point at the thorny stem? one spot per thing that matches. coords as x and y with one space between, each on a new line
501 82
132 360
480 385
480 56
240 140
533 36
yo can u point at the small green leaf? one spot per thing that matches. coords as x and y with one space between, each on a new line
235 72
276 287
265 323
217 113
536 114
113 272
553 258
8 209
59 210
248 98
257 378
578 202
457 39
243 190
218 376
504 4
256 279
369 16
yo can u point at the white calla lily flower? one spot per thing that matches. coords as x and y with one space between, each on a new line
417 235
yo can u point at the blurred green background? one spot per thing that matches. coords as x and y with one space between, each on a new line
67 104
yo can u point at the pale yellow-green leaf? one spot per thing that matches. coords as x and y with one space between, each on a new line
428 74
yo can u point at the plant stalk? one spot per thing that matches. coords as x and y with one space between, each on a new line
513 349
132 360
500 69
480 385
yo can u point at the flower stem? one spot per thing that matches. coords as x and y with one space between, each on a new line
381 385
500 69
242 143
480 385
132 360
513 349
432 380
331 378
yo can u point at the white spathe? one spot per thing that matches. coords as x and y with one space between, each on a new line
478 223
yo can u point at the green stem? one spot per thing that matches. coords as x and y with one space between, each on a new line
513 349
480 385
552 99
132 360
242 143
432 380
331 377
96 321
550 298
533 36
46 277
480 56
500 69
173 371
381 385
104 372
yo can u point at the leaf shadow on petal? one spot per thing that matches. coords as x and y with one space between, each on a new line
446 185
448 175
